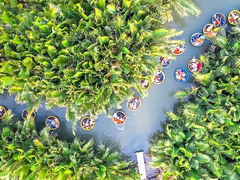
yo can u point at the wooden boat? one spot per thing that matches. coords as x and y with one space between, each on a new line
164 63
25 114
145 82
87 123
194 65
53 122
119 117
210 30
159 77
219 19
178 49
181 75
234 17
3 112
134 103
197 39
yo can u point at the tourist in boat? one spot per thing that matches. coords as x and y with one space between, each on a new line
158 78
87 123
119 117
194 65
2 112
198 39
144 83
181 75
219 19
234 17
134 103
53 123
210 30
179 50
164 63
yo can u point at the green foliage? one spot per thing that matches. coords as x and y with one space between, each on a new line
202 139
85 55
26 154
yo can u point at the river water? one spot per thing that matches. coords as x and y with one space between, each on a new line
134 135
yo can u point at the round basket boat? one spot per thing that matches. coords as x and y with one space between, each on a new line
219 19
194 65
119 117
210 30
178 49
164 63
145 82
134 103
234 17
197 39
53 122
159 77
181 75
3 112
25 114
87 123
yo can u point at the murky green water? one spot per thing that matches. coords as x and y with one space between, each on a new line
136 132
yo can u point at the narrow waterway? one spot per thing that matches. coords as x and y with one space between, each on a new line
134 135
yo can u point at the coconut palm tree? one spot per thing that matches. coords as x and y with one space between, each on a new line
26 154
86 56
200 141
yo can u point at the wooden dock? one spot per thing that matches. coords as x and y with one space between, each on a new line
141 165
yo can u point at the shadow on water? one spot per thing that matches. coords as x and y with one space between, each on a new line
149 120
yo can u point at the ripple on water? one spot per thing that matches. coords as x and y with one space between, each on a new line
120 127
107 134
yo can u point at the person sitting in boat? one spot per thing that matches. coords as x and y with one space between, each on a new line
158 78
119 116
219 19
2 112
199 40
145 83
134 103
164 62
53 123
195 65
181 75
179 49
209 30
56 124
87 123
234 18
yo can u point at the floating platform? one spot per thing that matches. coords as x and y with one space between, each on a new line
141 165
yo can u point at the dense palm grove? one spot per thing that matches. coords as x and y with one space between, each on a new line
26 154
85 55
202 139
